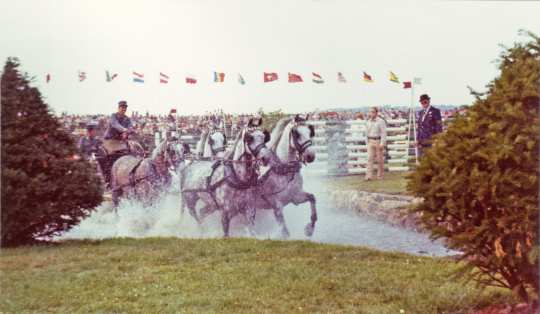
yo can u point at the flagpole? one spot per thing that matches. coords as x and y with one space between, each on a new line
414 123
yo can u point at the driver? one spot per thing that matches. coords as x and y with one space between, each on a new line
119 127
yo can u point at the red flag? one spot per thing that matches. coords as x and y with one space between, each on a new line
367 78
163 78
48 78
294 78
269 77
190 80
407 84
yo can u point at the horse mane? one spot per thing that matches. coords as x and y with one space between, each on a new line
234 153
159 149
201 145
281 141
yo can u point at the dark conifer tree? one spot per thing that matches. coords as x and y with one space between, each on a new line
45 191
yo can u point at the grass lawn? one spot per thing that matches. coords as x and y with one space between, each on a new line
393 183
166 275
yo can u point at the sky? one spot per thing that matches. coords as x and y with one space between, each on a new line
449 44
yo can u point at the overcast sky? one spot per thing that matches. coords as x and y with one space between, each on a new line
449 44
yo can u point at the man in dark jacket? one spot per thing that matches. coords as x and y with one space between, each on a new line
429 124
89 144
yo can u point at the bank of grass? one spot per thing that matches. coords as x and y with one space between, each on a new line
166 275
393 183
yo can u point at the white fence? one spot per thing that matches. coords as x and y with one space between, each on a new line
355 142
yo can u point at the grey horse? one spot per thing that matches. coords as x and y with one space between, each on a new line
143 178
226 184
283 183
212 144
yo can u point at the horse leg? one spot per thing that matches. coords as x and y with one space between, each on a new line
278 213
308 197
225 221
116 194
250 213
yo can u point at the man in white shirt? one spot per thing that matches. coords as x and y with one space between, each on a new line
376 141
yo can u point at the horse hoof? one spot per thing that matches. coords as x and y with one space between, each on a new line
285 234
309 230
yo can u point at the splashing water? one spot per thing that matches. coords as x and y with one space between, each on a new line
333 226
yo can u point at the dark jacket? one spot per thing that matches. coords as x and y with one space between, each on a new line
88 145
428 124
117 126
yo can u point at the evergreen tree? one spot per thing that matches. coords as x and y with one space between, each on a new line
480 179
45 191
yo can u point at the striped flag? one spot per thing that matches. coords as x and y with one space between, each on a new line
110 77
241 79
294 78
367 78
163 78
138 77
48 78
191 80
219 77
270 77
407 84
317 78
393 77
82 76
341 78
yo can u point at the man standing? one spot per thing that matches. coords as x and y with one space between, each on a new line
376 141
429 124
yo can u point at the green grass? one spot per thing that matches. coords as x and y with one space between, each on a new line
393 183
166 275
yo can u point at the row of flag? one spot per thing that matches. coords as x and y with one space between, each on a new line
219 77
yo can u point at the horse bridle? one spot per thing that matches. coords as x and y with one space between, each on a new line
300 148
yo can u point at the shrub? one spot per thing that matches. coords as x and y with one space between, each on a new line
479 181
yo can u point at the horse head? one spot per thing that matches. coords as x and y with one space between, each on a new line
300 139
217 142
255 144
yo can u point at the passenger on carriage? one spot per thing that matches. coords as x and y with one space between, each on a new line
90 143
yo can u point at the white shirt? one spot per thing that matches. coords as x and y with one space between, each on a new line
376 128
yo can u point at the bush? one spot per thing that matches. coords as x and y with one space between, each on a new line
44 190
480 179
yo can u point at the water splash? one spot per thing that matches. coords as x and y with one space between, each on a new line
333 226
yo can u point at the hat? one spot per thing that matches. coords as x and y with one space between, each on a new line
91 126
173 110
299 118
122 103
424 97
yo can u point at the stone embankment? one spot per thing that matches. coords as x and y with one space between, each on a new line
386 207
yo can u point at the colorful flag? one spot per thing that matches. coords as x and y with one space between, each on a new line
294 78
241 79
110 77
269 77
407 84
367 78
82 76
393 77
417 81
163 78
138 77
48 78
341 78
219 77
317 78
191 80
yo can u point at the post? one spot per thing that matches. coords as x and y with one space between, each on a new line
414 124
